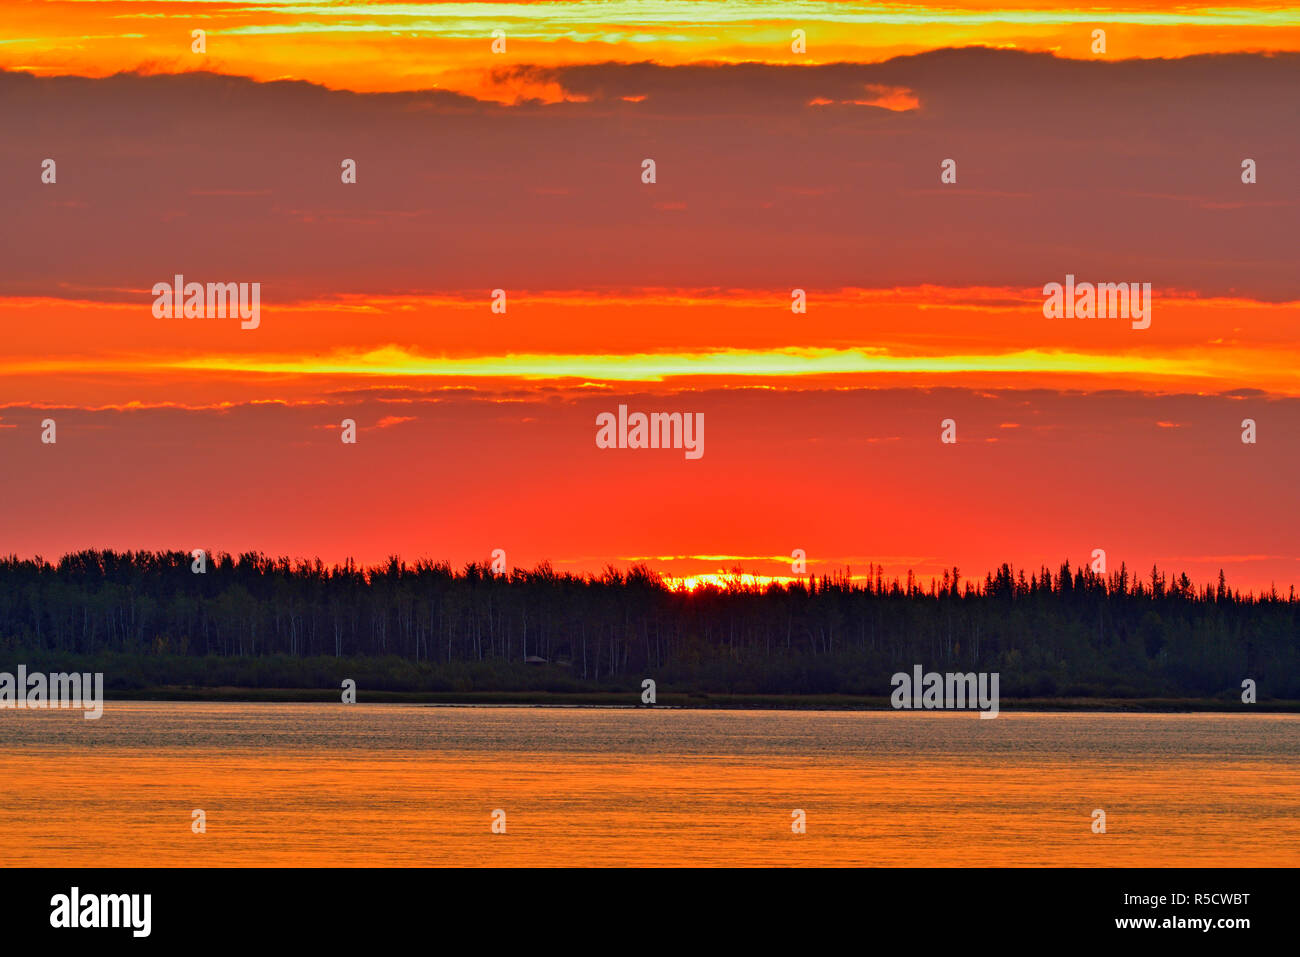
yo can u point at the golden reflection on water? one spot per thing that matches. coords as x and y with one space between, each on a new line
328 785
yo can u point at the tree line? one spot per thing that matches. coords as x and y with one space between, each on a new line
1072 632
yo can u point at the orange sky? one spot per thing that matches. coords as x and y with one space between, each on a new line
776 171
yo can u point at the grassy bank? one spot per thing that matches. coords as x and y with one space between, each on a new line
701 700
821 684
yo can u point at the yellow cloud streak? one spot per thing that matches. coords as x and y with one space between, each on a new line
650 367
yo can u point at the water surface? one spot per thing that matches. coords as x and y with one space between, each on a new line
324 785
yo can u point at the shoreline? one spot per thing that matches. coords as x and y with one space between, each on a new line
682 701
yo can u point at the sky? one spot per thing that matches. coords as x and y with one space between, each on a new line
775 171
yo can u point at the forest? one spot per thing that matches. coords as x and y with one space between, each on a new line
256 620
